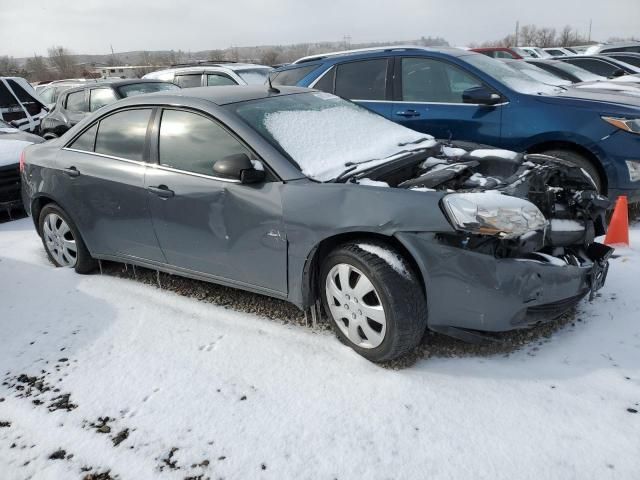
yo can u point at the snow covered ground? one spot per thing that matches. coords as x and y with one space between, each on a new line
193 390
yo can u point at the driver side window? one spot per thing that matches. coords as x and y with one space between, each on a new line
427 80
193 143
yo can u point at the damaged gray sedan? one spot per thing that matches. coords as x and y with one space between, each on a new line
303 196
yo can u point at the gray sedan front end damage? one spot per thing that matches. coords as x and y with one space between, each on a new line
481 278
477 291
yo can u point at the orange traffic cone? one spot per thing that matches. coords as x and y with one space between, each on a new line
618 232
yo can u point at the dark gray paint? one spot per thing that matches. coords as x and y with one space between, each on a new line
262 237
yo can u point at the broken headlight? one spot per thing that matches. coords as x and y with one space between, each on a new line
487 213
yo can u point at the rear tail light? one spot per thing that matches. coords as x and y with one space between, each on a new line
22 157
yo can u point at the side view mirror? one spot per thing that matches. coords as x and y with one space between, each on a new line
618 73
481 96
239 167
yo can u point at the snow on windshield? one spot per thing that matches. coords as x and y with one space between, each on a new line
511 77
326 141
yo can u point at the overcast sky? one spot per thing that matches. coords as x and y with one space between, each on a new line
90 26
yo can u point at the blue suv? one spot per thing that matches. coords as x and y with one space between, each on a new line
463 95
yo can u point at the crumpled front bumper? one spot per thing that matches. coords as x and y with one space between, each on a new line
470 290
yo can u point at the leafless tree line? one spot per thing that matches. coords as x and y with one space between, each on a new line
532 35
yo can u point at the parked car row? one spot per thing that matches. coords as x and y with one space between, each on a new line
342 195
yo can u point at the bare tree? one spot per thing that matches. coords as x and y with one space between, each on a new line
528 35
269 57
62 61
216 55
545 37
8 66
37 68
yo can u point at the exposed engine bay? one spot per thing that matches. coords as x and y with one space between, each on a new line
573 210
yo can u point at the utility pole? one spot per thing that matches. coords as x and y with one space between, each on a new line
590 24
347 41
517 32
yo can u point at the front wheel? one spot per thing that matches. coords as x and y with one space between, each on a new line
579 161
62 241
373 299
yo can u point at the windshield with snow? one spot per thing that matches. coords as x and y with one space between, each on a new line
325 134
254 76
511 77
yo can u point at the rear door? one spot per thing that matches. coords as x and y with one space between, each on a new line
366 82
429 100
103 185
211 225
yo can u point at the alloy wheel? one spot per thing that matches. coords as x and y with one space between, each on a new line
356 306
59 240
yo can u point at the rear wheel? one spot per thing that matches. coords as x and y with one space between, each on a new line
375 304
579 161
62 241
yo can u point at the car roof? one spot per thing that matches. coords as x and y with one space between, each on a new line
210 66
114 84
390 48
222 95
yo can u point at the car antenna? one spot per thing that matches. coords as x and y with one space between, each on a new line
272 89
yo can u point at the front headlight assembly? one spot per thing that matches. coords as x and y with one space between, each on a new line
491 213
627 124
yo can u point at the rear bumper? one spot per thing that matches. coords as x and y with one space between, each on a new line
475 291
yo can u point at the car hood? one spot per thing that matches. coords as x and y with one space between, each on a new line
592 96
564 193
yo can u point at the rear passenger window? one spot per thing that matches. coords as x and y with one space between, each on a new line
75 102
99 97
86 141
193 143
188 81
365 80
291 77
123 134
215 80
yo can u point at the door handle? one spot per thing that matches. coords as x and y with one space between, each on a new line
161 191
408 113
72 171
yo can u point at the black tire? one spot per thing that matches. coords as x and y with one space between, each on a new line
84 263
579 161
401 296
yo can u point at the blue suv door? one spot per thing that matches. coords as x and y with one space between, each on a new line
428 98
366 82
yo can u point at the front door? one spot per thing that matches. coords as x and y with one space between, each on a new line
211 225
102 181
429 100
